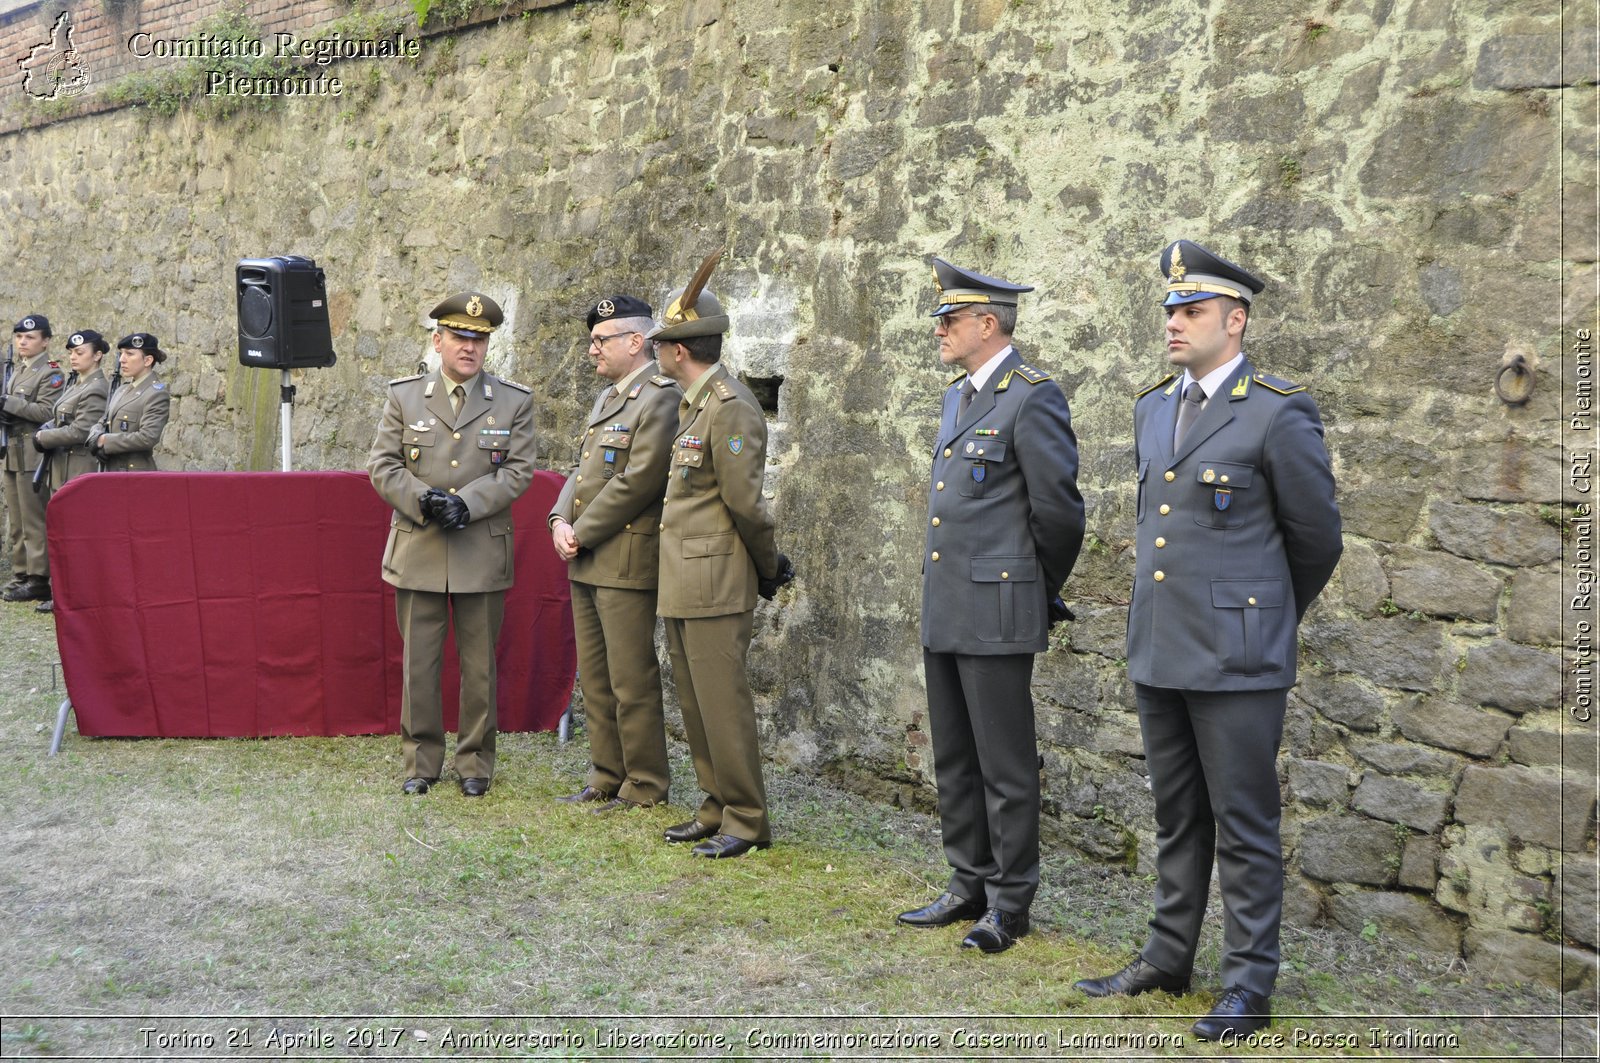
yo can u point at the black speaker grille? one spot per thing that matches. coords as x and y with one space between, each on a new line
255 312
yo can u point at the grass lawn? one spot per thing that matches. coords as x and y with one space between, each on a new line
280 898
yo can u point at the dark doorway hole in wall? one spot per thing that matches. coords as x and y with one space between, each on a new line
765 389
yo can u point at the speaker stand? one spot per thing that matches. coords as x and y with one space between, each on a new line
286 409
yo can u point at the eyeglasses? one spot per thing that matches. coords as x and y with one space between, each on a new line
600 341
945 320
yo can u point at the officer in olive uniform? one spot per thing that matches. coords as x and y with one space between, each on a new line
454 449
605 525
717 554
82 406
1005 521
137 411
1237 532
36 384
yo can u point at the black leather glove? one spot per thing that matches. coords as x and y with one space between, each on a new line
768 588
430 502
453 515
34 439
1059 611
93 440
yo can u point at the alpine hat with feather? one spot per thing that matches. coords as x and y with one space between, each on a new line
692 310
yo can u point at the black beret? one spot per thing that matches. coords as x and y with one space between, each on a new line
618 306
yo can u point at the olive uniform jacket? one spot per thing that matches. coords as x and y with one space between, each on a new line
135 418
38 384
81 407
716 533
484 456
612 499
1237 532
1005 519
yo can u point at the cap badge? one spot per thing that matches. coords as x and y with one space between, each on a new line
606 308
76 340
1178 269
27 324
490 420
474 306
138 342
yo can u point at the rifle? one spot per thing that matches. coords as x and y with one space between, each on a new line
41 471
105 426
5 389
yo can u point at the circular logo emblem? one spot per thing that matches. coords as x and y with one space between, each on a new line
971 447
76 340
474 306
27 324
137 342
606 308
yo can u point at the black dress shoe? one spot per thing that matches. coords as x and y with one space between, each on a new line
474 787
34 590
416 785
1238 1014
46 606
726 846
588 793
996 931
1138 977
946 910
691 831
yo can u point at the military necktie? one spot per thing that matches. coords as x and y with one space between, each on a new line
967 391
1188 411
458 395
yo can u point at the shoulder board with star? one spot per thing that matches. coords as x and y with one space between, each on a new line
406 379
662 381
1029 373
1278 384
525 389
1157 384
724 390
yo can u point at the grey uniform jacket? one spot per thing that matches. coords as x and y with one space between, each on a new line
37 385
82 406
1005 519
1237 532
612 499
136 415
484 456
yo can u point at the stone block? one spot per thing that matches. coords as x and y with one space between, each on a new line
1403 919
1575 894
1534 615
1501 537
1396 652
1313 782
1343 700
1513 469
1406 758
1433 148
1419 864
1350 849
1101 630
1436 722
1359 581
1440 286
1506 956
1571 749
1399 801
1428 581
1515 678
1534 805
1302 902
1534 60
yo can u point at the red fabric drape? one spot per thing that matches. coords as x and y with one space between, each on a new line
208 605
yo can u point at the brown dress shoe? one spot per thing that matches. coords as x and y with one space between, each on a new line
588 793
691 831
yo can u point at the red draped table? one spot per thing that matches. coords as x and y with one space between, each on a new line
212 605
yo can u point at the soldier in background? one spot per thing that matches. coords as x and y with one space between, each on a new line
605 526
454 449
35 385
137 412
81 407
717 554
1005 522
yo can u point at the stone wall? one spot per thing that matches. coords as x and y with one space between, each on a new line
1394 168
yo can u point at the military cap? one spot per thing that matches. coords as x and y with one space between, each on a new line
1193 274
34 323
468 314
143 342
691 310
91 337
958 287
618 306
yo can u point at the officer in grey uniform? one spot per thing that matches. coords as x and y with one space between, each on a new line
137 412
718 552
35 386
1005 522
605 526
1237 532
454 449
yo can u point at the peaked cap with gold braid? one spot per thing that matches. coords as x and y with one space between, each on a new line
958 287
691 310
469 314
1194 273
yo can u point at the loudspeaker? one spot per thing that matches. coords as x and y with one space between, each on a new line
283 314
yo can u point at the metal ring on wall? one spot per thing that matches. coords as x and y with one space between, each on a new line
1514 383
